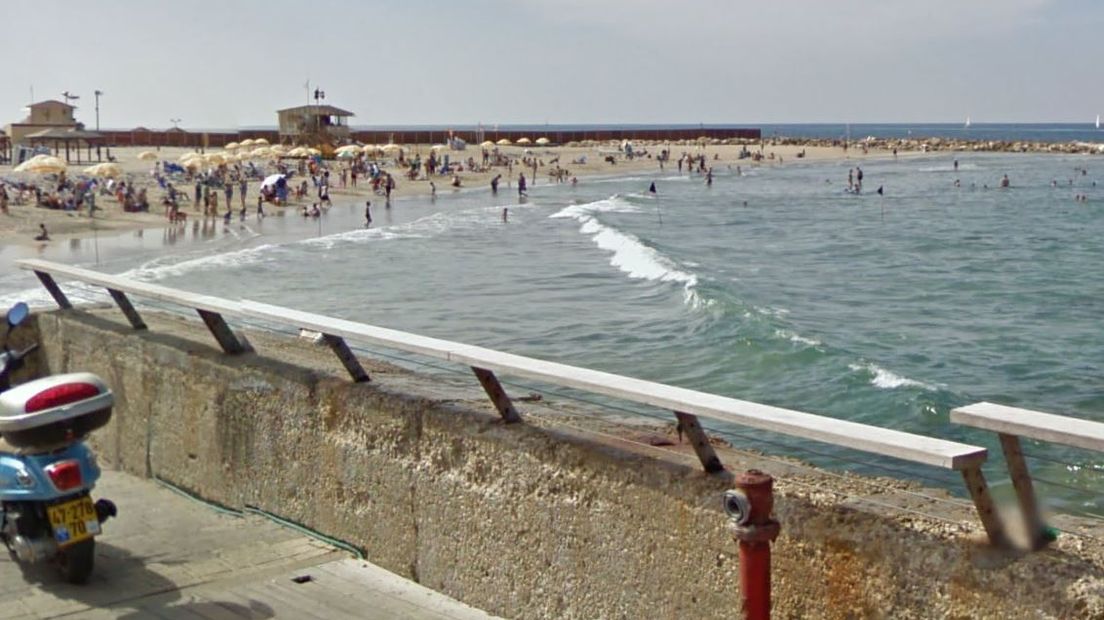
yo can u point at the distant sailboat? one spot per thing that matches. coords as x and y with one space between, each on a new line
967 125
1098 121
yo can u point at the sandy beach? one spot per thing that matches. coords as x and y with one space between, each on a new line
21 223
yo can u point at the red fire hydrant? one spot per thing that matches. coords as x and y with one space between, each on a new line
749 508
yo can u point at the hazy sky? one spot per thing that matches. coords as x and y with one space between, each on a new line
230 63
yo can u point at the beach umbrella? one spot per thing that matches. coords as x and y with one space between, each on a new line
246 142
260 141
264 151
108 169
524 141
187 156
271 179
347 154
504 142
215 158
369 148
439 147
298 151
42 164
391 147
231 146
313 151
193 164
147 156
279 149
543 141
487 144
352 149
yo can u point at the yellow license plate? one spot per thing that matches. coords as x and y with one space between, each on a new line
73 521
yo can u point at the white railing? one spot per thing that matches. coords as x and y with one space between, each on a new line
1011 423
687 405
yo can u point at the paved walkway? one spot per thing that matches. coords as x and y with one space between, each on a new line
167 556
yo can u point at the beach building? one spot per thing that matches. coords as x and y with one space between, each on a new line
51 124
313 124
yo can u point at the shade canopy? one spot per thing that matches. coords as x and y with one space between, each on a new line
147 156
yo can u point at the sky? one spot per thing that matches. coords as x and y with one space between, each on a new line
232 63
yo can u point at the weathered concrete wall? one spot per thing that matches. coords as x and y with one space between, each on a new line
553 518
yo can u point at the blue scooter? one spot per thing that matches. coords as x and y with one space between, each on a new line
46 471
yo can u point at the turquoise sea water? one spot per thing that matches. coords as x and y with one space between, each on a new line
773 285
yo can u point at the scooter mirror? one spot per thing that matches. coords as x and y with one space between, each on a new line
17 314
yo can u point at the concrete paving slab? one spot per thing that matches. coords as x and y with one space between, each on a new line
167 556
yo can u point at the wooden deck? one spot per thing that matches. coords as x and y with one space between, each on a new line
167 556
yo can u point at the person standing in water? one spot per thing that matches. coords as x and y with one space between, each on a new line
652 189
521 184
367 213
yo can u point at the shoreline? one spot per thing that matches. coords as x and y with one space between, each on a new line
20 225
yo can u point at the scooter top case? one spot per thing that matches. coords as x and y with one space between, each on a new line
54 411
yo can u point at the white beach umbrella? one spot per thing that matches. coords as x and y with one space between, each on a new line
246 142
369 149
260 141
347 154
487 144
271 179
215 158
504 142
543 141
348 148
313 151
107 169
279 149
391 147
264 151
42 164
147 156
232 146
187 156
524 141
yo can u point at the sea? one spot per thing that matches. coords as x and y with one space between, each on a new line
773 284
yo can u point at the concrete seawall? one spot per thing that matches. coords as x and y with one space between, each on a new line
557 517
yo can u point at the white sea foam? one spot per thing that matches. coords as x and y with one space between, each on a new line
796 338
629 253
161 268
887 380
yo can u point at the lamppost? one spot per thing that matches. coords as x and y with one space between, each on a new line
319 94
175 122
98 93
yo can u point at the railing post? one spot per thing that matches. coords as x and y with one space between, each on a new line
1025 490
983 501
54 290
124 304
689 424
497 394
222 332
351 363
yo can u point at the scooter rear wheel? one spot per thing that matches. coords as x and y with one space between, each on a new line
76 561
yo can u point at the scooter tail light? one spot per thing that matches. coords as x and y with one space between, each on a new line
65 475
60 395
